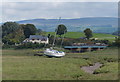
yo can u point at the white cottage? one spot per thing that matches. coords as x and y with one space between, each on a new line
37 39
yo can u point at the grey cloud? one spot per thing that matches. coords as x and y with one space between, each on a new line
31 10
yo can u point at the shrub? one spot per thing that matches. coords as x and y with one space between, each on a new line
30 45
65 42
100 71
116 43
7 46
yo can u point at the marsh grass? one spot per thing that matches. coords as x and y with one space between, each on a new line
23 65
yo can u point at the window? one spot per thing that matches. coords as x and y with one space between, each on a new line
43 39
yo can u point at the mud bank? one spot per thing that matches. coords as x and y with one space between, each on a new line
91 69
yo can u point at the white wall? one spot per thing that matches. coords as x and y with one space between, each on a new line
39 41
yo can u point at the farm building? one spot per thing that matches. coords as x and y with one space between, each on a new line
37 39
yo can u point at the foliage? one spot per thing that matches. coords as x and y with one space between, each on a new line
88 33
101 41
14 37
58 41
61 29
51 38
14 33
29 29
7 46
30 45
49 35
107 68
117 42
65 42
9 27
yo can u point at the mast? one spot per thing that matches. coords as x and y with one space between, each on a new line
55 34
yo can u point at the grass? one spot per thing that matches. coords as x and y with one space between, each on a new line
108 68
22 65
80 34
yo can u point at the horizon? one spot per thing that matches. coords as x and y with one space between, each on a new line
56 19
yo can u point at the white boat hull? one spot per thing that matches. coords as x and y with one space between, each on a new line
53 53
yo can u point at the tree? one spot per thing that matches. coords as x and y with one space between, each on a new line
12 33
29 29
9 27
61 29
51 38
14 37
88 33
117 42
49 35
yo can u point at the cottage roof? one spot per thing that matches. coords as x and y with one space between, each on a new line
36 37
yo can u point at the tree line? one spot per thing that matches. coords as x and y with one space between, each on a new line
13 32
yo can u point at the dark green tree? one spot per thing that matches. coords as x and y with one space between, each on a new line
117 42
9 27
88 33
29 29
61 29
49 35
14 37
51 38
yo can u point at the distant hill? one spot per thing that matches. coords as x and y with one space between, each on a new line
117 33
97 24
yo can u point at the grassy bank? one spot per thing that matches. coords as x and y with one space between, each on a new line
22 65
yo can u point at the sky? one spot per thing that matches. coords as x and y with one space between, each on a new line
59 0
16 11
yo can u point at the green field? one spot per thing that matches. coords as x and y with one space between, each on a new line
22 65
80 34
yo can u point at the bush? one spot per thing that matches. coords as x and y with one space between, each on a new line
30 45
111 59
110 67
101 41
116 43
100 71
7 46
65 43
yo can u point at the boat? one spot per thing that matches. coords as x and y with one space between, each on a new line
53 53
50 52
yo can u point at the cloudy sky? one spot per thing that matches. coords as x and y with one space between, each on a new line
15 11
